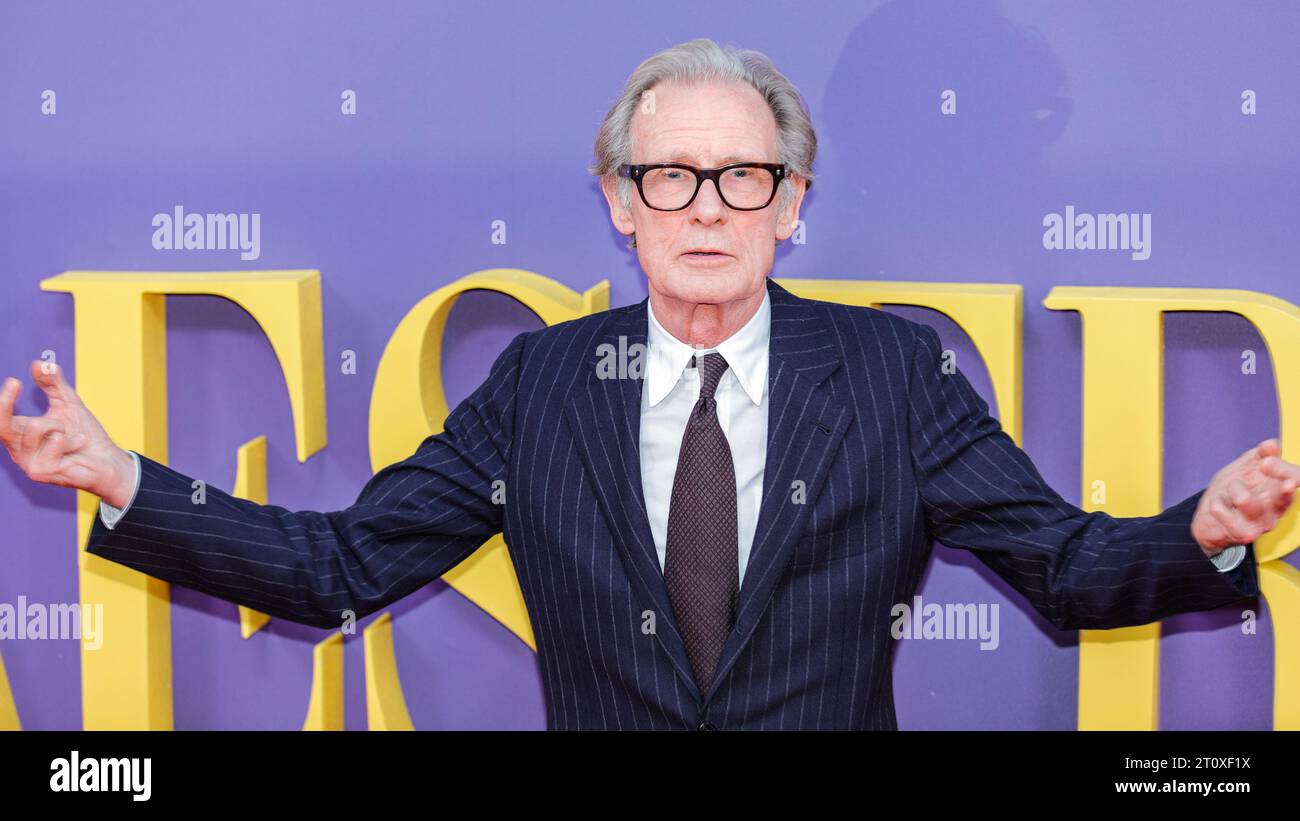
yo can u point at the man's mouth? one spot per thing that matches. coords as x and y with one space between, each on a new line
704 254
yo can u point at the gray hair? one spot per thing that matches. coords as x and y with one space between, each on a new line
704 60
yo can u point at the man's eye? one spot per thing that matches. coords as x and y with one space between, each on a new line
740 173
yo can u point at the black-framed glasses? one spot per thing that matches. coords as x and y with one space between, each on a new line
671 186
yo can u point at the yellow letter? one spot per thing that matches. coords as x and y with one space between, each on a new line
121 361
407 405
1123 417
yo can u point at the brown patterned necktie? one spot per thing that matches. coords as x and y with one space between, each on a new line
701 568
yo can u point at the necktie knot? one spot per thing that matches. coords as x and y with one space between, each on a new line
711 366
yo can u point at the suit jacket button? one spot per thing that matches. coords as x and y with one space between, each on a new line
706 726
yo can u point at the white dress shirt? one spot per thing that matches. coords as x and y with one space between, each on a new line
668 393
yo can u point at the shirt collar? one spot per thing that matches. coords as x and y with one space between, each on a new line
745 351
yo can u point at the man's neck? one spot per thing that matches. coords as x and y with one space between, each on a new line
704 324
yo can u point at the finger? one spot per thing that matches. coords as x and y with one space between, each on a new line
1278 468
1284 501
34 433
1243 500
1269 447
1281 494
8 398
49 378
1268 504
1235 526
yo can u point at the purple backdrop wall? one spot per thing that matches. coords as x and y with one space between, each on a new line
467 114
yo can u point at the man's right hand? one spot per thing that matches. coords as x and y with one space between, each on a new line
67 446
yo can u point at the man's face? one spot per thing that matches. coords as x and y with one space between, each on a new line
705 125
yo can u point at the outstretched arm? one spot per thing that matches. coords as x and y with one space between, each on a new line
1080 570
413 521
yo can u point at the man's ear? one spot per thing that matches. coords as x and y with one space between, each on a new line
785 221
619 215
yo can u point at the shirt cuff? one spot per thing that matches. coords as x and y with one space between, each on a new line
1229 557
110 515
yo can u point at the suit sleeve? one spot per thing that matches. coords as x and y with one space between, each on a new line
1081 570
413 521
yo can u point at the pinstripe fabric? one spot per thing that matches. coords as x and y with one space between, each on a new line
889 453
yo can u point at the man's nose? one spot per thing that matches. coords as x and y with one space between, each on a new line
708 205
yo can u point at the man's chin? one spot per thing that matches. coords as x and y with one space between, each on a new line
705 286
714 290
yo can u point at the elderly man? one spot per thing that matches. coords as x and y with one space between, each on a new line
716 539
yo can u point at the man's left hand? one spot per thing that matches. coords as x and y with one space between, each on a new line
1246 498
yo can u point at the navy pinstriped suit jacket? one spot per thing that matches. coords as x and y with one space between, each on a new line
892 453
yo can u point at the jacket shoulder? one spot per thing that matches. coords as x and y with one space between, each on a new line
871 328
548 352
580 326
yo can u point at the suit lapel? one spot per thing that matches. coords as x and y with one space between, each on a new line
805 427
604 411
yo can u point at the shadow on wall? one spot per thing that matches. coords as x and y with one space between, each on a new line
917 174
912 177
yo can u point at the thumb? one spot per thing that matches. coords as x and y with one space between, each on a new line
76 442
